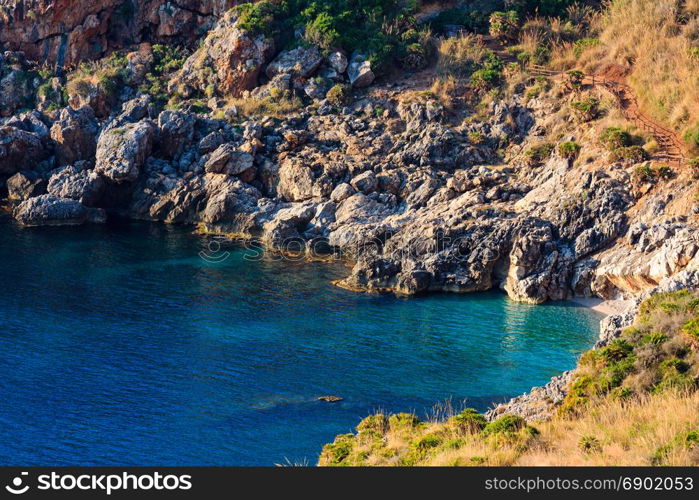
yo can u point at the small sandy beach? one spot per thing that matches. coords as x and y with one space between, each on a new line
606 307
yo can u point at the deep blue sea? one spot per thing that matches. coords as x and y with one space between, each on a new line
121 345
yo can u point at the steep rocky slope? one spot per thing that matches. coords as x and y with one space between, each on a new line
422 197
67 32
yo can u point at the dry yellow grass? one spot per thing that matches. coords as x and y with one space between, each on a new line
657 43
628 433
278 105
648 430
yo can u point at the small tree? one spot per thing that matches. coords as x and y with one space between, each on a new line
574 79
504 25
569 150
586 109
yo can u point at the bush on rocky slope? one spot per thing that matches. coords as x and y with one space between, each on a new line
632 402
385 31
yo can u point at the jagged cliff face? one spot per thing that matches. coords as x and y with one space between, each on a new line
66 32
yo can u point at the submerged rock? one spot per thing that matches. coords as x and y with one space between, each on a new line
330 399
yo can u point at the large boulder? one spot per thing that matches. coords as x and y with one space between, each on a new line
229 61
19 150
231 206
75 134
24 185
121 152
365 182
359 72
338 62
298 62
295 181
176 132
49 210
226 159
74 184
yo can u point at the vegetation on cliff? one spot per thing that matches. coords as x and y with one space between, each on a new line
632 402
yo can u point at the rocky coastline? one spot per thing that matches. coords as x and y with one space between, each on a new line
420 194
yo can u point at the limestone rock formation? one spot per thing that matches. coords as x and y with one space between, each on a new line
228 62
49 210
75 134
121 152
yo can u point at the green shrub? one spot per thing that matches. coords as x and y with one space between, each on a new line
569 150
691 328
485 79
375 28
339 94
507 425
590 444
376 423
476 137
583 44
538 154
338 451
586 109
691 136
655 338
634 154
470 421
401 421
614 138
473 19
574 78
427 442
504 25
541 84
616 350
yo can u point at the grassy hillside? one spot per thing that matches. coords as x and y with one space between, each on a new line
632 402
654 42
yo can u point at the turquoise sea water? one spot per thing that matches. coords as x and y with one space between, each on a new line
120 345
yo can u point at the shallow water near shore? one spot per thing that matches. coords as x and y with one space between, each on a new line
121 345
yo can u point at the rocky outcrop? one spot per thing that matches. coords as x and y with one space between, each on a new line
75 135
24 185
299 62
176 131
19 149
49 210
228 62
69 31
122 151
226 159
73 183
